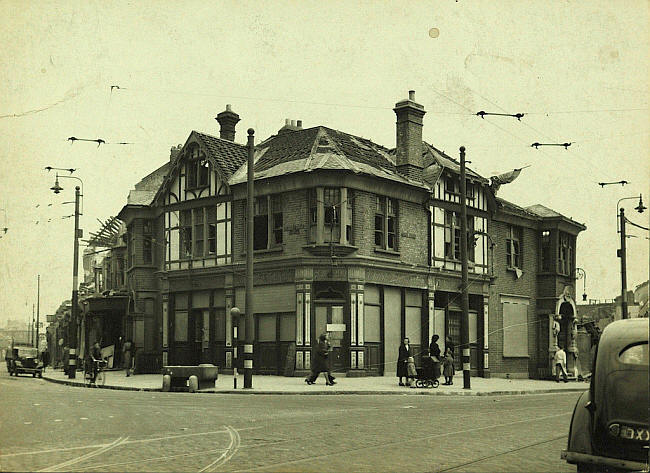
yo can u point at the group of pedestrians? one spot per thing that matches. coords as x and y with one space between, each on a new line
406 371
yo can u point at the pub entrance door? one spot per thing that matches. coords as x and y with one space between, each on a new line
328 317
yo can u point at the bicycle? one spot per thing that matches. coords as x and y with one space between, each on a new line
100 376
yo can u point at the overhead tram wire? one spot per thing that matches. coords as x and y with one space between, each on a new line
589 165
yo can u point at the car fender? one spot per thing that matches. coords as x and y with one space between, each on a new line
581 426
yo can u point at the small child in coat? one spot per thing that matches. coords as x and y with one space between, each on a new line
411 372
448 367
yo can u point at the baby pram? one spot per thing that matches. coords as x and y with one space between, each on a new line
428 373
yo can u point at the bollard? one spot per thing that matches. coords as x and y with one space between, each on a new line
167 383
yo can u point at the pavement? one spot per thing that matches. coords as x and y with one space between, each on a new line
264 384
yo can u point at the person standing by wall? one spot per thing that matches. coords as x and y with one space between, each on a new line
559 362
448 367
402 360
128 350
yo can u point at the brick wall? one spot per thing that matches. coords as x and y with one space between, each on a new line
507 283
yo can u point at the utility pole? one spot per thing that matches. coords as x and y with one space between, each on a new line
72 328
623 257
248 345
38 308
464 321
31 328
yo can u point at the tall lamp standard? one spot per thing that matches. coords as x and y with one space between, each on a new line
622 251
72 328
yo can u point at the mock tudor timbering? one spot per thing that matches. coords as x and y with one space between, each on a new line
351 238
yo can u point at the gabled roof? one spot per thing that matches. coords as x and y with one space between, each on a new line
228 155
224 155
436 161
321 148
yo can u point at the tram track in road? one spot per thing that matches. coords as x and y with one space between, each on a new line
67 464
385 445
507 452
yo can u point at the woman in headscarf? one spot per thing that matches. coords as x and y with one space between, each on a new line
434 348
402 360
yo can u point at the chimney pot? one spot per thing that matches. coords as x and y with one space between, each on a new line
287 121
293 123
299 123
227 122
412 95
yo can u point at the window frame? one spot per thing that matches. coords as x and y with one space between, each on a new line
514 259
197 169
387 215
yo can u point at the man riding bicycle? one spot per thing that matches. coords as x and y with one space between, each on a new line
96 356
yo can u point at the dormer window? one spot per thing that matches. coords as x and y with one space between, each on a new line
197 169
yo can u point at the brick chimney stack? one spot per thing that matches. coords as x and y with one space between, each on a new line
409 137
227 121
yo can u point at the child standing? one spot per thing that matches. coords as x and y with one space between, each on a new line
411 372
448 367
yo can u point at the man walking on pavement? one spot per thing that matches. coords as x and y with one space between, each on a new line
559 362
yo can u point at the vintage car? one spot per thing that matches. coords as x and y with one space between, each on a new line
609 427
24 359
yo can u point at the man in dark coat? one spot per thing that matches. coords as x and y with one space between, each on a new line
402 360
320 362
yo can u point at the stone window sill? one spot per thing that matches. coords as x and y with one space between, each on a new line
386 251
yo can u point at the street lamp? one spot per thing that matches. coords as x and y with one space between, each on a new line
621 252
72 328
582 274
235 313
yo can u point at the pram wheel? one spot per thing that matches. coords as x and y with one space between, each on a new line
435 383
419 383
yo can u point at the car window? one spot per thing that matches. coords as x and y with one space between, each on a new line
635 354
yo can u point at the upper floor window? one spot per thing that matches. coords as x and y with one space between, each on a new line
197 169
565 254
195 233
147 242
332 214
452 185
267 223
333 205
453 234
545 251
386 223
513 247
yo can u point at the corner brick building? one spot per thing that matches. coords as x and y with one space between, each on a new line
351 238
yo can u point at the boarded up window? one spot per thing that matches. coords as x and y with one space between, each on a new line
287 327
371 294
413 324
180 301
371 324
200 299
220 325
266 327
515 329
180 326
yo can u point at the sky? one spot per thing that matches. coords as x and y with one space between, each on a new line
577 70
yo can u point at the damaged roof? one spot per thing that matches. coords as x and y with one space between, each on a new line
436 161
321 148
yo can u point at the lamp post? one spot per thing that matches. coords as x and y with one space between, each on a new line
248 345
622 251
582 274
234 313
464 321
72 327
